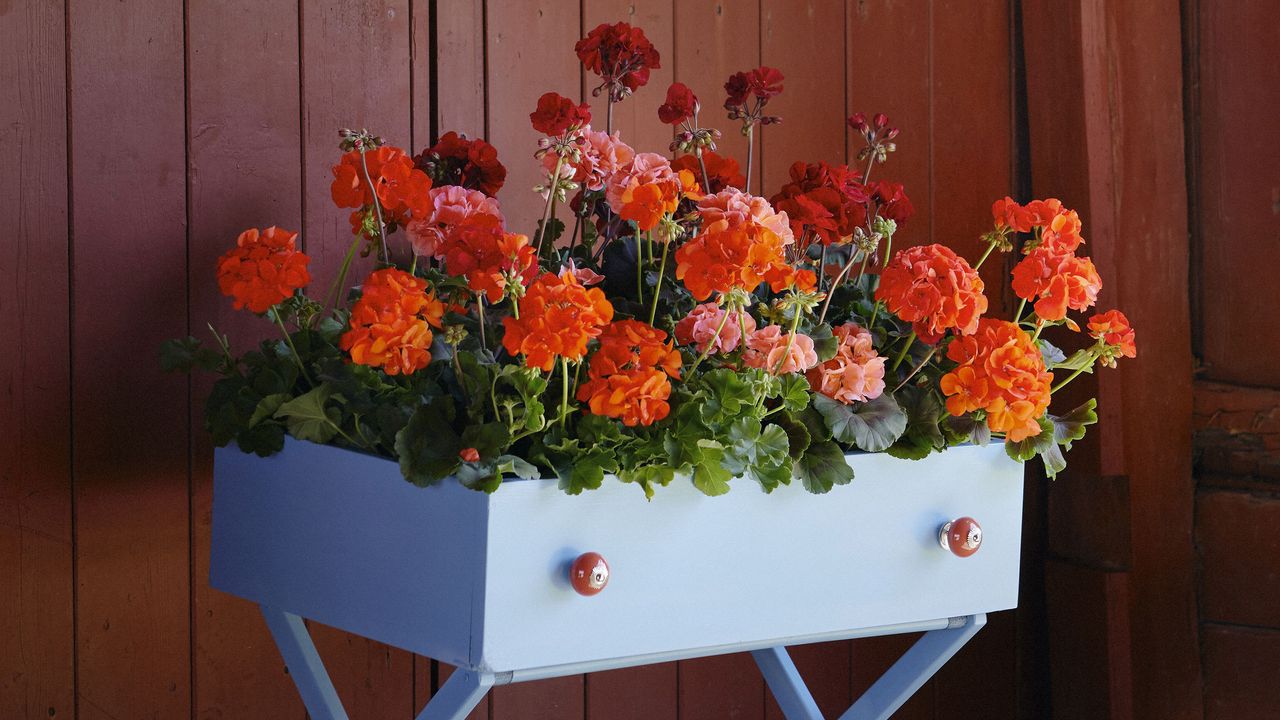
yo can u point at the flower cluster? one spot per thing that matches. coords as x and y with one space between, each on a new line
856 373
700 330
558 317
471 163
391 323
935 290
1000 371
628 374
621 55
400 187
263 269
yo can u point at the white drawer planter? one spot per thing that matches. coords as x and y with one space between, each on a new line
481 581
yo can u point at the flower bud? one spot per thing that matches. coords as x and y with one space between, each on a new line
880 120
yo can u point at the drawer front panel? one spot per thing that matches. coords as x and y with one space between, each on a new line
690 572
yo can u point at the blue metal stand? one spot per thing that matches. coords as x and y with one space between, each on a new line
466 688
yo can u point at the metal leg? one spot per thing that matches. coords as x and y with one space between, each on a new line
914 669
785 683
458 696
304 665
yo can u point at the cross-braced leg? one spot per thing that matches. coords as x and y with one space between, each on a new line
458 696
914 669
788 688
305 666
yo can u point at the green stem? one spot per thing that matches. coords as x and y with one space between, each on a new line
1039 327
289 339
834 284
338 282
1069 378
639 269
990 247
903 352
791 339
551 202
377 207
657 290
1017 318
710 344
918 368
750 155
484 343
706 179
564 390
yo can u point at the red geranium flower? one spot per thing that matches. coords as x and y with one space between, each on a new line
401 188
1114 330
894 203
722 171
557 114
1058 281
621 55
824 199
459 160
263 269
681 105
763 82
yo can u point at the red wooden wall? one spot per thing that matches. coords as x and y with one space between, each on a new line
146 134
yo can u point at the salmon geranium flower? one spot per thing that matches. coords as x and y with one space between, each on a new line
856 373
628 375
558 317
698 328
778 353
391 323
935 290
263 269
1000 371
449 207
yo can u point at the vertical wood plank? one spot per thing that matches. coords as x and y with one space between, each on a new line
714 39
636 117
1119 75
130 420
530 52
724 686
243 169
355 73
806 41
973 130
650 692
460 62
1239 220
36 613
890 70
421 69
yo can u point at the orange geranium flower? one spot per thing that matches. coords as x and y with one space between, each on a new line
1009 214
401 188
1002 372
646 204
492 260
933 289
263 269
1058 281
1115 332
391 323
721 258
558 318
628 375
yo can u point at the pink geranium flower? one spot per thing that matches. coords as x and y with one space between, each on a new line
738 207
698 328
451 206
768 346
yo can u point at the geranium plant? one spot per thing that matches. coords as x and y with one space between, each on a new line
659 321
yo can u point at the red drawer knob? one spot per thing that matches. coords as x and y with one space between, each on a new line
589 574
962 536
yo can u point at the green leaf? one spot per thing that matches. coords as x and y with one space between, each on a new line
966 429
1024 450
1052 354
1078 360
307 417
727 394
822 467
521 468
923 436
1071 427
587 470
648 476
824 342
798 437
186 354
428 446
263 439
709 473
489 439
872 426
267 408
480 476
794 392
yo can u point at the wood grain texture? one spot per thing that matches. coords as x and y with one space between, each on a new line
649 692
806 41
890 70
36 607
636 117
1241 676
1237 431
356 73
243 166
130 420
520 70
460 78
972 131
1239 546
1238 189
715 39
1121 154
724 686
